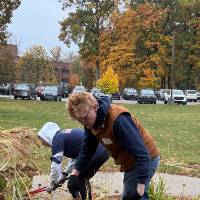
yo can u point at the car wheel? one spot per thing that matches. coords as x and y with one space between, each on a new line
154 102
15 97
165 102
184 103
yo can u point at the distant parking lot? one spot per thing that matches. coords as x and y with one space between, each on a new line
122 101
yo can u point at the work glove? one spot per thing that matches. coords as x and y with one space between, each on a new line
50 187
73 185
63 178
76 185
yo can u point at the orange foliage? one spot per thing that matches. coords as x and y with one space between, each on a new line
73 80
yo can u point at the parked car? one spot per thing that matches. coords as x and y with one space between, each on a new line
191 95
161 95
51 93
177 95
38 90
115 95
24 90
147 96
130 93
79 89
7 89
95 90
102 94
198 95
64 91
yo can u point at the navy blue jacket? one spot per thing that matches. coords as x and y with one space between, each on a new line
68 143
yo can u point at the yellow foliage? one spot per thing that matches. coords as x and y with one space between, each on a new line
109 82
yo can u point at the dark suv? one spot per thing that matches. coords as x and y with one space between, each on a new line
147 96
24 91
7 89
51 93
115 95
130 93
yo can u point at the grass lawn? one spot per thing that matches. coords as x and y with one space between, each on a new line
174 127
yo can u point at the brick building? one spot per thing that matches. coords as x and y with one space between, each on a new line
62 71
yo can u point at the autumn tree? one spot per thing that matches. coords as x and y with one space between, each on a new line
180 17
84 24
34 66
6 9
56 54
152 45
7 65
83 68
118 46
109 82
73 81
187 43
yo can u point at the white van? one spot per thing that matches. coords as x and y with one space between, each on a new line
191 95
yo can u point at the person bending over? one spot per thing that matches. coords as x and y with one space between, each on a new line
129 143
68 143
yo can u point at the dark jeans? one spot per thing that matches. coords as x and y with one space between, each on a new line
131 181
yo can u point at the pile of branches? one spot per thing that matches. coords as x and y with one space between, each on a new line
15 169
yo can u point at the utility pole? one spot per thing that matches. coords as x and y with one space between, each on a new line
173 63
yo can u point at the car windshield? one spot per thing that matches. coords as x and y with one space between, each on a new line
191 92
150 92
168 92
131 90
101 94
94 90
177 92
79 88
51 88
22 87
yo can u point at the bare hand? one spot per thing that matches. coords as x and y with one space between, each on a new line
75 172
140 189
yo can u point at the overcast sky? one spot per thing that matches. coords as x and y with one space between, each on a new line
36 22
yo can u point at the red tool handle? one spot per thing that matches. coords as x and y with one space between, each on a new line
42 189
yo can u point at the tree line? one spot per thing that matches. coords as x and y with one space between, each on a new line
139 39
136 39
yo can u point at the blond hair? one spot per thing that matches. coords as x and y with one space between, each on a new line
80 103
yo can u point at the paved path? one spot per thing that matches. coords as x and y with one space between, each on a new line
111 184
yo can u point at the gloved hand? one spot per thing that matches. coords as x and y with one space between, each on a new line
50 187
73 185
63 178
